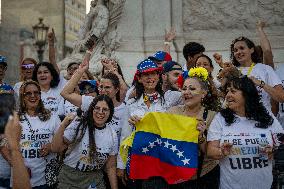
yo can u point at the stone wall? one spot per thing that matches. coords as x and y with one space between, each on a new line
214 23
18 15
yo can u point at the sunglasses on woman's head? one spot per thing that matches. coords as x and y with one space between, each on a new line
27 66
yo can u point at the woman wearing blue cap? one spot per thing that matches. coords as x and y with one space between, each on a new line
149 98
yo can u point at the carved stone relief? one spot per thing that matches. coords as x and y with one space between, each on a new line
231 14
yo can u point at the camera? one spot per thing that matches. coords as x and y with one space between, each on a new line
7 106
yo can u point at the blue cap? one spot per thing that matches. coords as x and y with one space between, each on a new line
161 56
6 89
169 66
93 84
147 65
3 60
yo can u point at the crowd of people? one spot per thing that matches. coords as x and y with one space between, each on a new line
65 131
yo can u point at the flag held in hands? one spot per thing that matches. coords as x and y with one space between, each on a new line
164 145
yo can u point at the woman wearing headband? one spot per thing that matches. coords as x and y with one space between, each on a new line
199 102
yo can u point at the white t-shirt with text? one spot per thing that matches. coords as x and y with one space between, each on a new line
78 158
243 168
32 140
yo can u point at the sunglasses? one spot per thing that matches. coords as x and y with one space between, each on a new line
88 90
30 94
27 66
99 109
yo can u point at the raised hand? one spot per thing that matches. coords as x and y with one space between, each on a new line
170 35
260 24
13 132
218 59
51 37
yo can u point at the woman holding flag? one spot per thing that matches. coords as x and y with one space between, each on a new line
149 97
201 103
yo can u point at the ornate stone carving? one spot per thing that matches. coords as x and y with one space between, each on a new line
100 22
230 14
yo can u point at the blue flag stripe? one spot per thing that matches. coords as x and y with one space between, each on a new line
176 153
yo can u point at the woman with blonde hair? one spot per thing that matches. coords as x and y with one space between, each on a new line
38 128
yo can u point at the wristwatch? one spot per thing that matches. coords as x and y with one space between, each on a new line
262 83
201 139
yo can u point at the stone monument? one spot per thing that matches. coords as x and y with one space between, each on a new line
100 24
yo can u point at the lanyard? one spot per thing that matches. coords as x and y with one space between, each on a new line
249 70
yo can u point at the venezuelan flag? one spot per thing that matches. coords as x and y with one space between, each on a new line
164 145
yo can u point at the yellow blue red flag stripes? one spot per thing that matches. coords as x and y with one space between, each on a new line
164 145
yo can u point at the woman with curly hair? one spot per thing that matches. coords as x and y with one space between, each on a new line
51 84
38 128
242 137
199 103
91 146
268 84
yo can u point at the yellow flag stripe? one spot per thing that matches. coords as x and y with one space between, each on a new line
171 126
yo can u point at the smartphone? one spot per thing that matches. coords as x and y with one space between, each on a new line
7 106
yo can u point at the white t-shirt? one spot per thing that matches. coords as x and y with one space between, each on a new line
52 98
280 115
31 144
65 108
267 74
78 158
243 169
118 118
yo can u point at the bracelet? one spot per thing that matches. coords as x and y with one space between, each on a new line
89 52
167 43
262 83
202 139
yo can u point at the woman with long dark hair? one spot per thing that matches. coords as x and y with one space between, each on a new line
51 84
268 84
91 146
38 128
149 97
242 137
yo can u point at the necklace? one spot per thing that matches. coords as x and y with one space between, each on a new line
249 70
151 97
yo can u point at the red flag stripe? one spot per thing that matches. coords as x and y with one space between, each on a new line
149 166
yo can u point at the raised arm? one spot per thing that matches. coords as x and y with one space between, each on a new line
51 49
19 170
59 144
265 44
169 37
68 92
